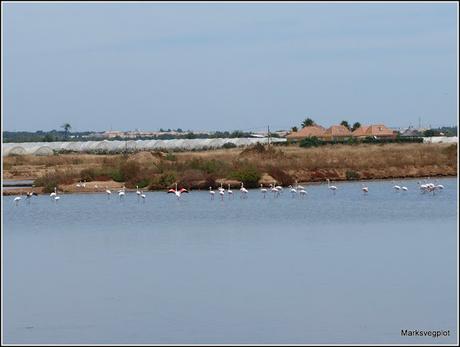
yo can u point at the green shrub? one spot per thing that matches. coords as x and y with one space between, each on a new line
166 179
130 170
170 157
228 145
352 175
88 174
51 180
143 183
117 176
249 175
311 142
212 166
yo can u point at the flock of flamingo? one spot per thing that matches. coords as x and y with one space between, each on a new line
276 190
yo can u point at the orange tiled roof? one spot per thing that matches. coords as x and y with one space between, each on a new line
378 130
314 130
337 131
361 131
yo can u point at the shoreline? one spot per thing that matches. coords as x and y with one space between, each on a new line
101 190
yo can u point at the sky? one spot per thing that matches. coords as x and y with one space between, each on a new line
126 66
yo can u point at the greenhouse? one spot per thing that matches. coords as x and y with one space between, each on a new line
106 146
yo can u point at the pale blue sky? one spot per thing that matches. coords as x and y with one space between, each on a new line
227 66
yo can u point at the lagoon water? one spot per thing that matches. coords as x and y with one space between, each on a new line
343 268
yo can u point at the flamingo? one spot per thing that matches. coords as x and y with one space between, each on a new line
108 192
243 191
212 193
333 188
56 198
29 195
274 189
16 200
298 186
53 194
404 188
364 188
303 192
293 190
221 193
263 190
121 192
176 192
438 186
423 187
142 196
229 192
137 191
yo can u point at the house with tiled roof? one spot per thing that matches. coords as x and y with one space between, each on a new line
360 132
376 130
336 132
380 131
310 131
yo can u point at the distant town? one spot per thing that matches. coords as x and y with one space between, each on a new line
308 128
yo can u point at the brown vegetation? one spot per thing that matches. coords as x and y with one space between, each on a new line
286 164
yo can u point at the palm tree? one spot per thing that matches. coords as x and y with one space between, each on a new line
345 124
294 129
66 127
356 126
308 122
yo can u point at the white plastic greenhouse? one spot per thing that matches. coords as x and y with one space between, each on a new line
105 146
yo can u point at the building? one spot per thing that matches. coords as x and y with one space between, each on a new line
310 131
411 132
376 131
336 132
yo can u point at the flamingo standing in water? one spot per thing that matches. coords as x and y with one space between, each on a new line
333 188
177 193
244 192
263 190
302 193
229 192
56 197
212 193
17 199
438 186
142 196
138 192
298 186
274 189
293 191
364 188
108 192
121 193
221 191
29 195
53 194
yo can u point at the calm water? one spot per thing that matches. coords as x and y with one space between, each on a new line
343 268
